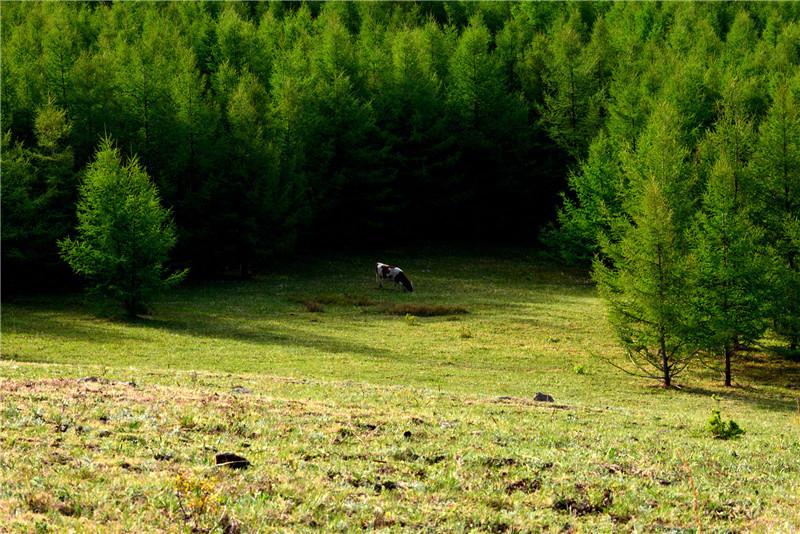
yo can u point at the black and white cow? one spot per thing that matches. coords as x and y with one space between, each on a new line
390 272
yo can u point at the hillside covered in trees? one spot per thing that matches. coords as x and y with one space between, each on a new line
573 189
269 126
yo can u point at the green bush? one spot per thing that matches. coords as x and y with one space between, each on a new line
723 429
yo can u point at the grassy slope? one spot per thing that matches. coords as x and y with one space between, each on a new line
328 444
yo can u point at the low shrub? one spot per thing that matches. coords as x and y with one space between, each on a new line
723 429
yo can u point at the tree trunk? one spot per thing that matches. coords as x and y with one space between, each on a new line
665 363
728 353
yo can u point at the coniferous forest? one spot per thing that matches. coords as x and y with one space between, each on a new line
400 266
608 132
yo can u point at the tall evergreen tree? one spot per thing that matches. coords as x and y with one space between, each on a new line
776 164
727 269
593 202
124 234
490 125
38 197
643 277
574 97
641 271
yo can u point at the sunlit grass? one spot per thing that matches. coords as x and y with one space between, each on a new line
355 418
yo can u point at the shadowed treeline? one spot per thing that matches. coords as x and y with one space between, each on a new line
273 126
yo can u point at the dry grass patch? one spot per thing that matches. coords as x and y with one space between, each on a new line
345 299
313 306
422 310
334 299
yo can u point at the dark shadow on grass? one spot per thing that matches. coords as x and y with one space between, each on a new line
89 328
225 328
748 395
787 354
434 273
767 369
752 374
46 325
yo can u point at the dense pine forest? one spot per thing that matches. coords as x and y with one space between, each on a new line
271 126
196 335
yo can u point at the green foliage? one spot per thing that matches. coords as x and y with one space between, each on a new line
642 268
124 234
777 162
723 429
598 189
727 267
38 195
575 85
644 284
271 127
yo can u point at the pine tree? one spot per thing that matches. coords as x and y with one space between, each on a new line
727 269
574 96
490 126
38 197
642 277
641 270
593 202
19 213
124 234
776 164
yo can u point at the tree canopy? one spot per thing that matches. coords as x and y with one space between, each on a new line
268 127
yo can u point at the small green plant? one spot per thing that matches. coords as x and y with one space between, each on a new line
186 421
466 333
411 320
579 369
723 429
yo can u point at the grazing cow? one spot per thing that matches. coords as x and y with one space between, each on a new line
390 272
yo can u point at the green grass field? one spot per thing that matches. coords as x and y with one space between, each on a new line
357 416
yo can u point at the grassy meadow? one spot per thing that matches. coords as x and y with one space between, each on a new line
359 411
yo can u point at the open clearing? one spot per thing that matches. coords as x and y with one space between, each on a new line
355 416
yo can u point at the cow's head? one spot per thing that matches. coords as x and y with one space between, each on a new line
403 280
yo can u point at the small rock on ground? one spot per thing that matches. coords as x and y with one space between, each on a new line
234 461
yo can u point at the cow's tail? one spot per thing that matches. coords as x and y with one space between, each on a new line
404 281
